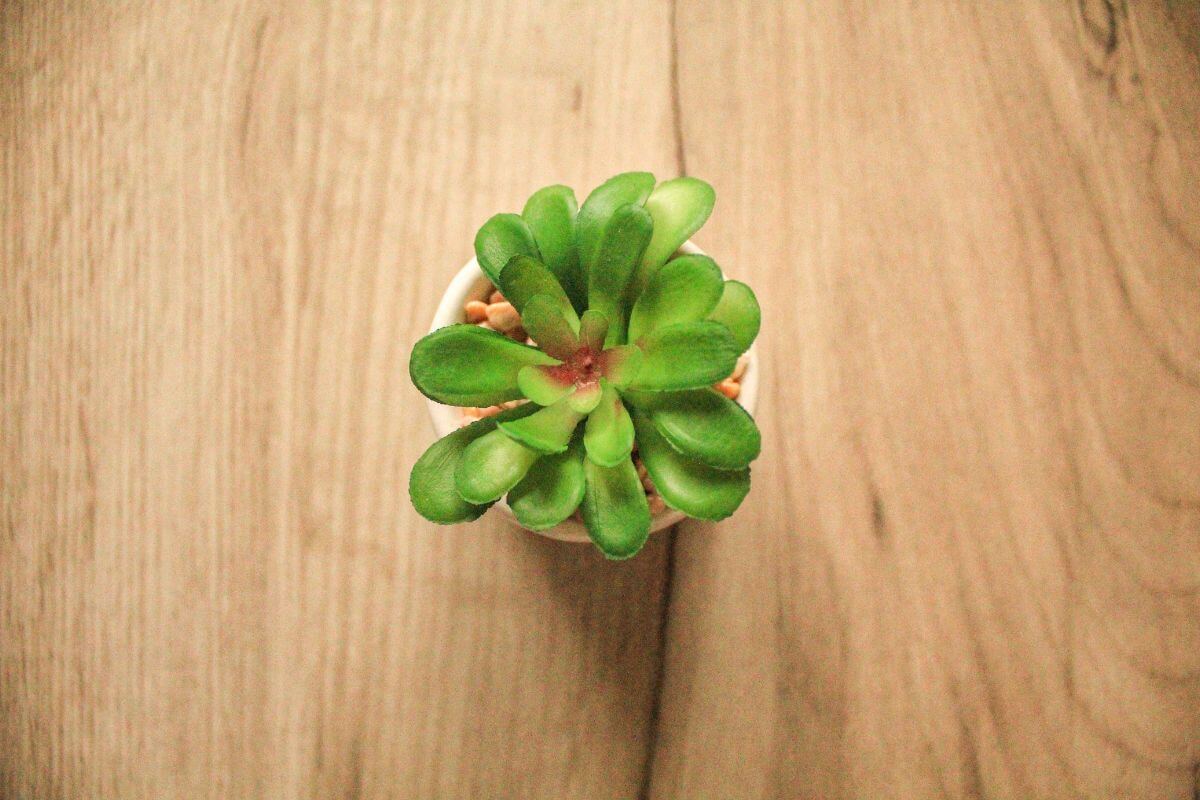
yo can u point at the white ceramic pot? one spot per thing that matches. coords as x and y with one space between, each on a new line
471 284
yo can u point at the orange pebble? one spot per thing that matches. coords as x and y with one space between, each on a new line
657 506
503 316
730 388
496 297
476 310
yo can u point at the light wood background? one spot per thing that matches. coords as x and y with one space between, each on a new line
970 563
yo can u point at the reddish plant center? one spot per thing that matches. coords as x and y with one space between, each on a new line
581 369
584 364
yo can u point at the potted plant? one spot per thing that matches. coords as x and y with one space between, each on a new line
595 367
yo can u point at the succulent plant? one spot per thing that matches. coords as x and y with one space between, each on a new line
630 339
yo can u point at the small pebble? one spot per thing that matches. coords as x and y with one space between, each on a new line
496 297
530 342
476 311
740 368
729 388
471 414
503 317
657 506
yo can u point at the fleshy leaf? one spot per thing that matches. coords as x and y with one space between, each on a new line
491 465
621 364
608 435
465 365
551 490
703 425
547 431
524 278
679 208
499 239
739 312
615 509
592 330
550 214
431 482
586 397
548 322
686 356
617 191
696 489
685 289
621 246
546 385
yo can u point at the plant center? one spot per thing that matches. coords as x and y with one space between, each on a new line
585 363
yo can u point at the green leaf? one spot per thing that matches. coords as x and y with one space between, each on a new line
431 482
738 311
547 320
685 289
686 356
696 489
548 430
586 397
620 365
592 330
679 207
609 432
617 191
465 365
621 245
550 214
491 465
499 239
523 278
614 508
703 425
551 490
546 385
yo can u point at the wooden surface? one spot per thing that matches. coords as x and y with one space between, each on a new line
970 562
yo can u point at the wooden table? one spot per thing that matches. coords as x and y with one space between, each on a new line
970 562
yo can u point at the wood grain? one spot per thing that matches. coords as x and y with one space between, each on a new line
224 227
970 562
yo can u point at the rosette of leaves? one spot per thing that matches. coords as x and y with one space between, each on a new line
629 342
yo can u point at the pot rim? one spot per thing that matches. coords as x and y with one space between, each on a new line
469 282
